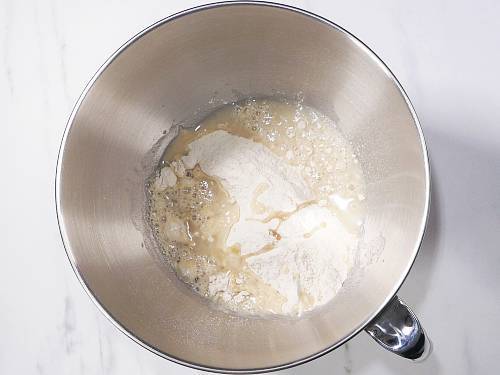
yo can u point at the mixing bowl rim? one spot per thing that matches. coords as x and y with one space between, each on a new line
109 61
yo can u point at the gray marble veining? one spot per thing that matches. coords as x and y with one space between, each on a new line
445 54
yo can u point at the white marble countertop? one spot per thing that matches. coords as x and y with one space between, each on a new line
445 53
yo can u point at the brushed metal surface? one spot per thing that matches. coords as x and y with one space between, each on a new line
180 68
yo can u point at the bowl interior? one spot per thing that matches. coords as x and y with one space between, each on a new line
177 71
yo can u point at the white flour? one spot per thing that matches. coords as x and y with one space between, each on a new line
300 266
287 251
308 271
243 169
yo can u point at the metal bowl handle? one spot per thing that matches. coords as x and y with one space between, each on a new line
398 330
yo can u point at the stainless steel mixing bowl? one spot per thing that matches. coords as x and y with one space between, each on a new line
177 70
